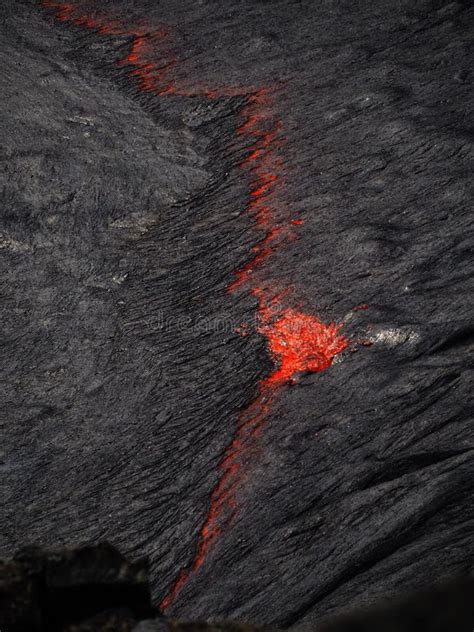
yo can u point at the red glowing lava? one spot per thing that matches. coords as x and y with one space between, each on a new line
150 77
297 341
359 308
222 505
262 163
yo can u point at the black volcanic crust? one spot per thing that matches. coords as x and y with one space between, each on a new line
123 220
94 589
55 590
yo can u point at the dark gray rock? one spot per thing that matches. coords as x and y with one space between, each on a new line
443 608
440 609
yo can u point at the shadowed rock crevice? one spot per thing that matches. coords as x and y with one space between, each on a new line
94 589
59 590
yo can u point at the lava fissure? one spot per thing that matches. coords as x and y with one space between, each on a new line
222 505
297 342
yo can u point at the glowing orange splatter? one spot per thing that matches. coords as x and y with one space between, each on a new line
299 342
296 341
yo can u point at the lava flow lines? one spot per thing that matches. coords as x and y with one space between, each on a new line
297 342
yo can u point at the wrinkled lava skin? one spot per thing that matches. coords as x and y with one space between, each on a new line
259 169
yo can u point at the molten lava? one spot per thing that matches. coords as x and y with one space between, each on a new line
222 506
151 78
297 342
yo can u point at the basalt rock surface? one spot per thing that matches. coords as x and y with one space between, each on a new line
180 183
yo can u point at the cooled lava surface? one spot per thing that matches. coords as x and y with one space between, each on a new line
236 307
